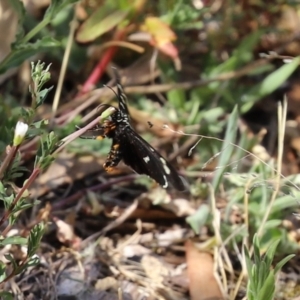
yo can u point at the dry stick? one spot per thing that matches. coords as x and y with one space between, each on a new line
62 74
245 239
246 210
75 111
94 95
8 160
218 260
281 131
241 277
282 112
123 44
81 131
186 145
98 187
121 219
166 87
240 148
235 232
66 118
160 88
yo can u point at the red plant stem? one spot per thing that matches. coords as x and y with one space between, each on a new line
101 66
8 160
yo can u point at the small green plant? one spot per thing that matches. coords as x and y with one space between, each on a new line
16 199
261 282
23 48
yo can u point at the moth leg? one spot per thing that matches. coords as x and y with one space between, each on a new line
113 158
93 137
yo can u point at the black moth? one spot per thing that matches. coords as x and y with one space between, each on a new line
133 149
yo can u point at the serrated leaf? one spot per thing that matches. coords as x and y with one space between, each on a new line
22 52
34 239
99 23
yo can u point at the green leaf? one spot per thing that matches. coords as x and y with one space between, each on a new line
283 203
267 290
283 262
242 55
256 247
227 147
33 261
56 6
177 98
199 218
6 295
13 240
269 256
34 239
249 263
22 52
2 271
11 259
269 84
270 224
18 7
99 23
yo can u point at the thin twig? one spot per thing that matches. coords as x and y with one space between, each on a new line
62 74
282 112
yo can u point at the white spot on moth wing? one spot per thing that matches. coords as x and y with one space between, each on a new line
146 159
166 168
166 182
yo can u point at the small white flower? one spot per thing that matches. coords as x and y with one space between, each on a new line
20 131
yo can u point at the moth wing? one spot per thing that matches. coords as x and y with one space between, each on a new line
144 159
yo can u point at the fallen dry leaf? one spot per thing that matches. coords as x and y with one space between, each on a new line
181 207
106 283
66 169
154 269
162 35
170 236
202 282
135 250
65 231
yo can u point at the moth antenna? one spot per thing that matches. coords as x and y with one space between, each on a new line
117 75
111 90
